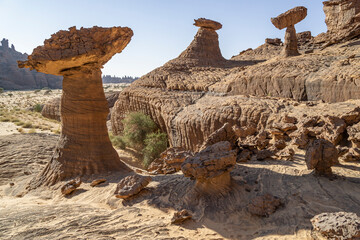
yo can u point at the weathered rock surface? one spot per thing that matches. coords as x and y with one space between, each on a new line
288 20
211 167
337 225
84 146
71 186
180 217
264 205
169 161
321 155
342 20
131 185
14 78
51 109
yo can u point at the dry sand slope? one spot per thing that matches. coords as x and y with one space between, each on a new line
94 213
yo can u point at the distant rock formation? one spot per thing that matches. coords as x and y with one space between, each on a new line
113 79
14 78
84 146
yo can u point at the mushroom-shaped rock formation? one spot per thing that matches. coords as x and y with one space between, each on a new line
78 55
321 155
204 50
288 20
211 168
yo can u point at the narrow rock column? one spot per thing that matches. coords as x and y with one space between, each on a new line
291 43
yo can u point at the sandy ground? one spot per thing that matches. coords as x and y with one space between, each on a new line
94 212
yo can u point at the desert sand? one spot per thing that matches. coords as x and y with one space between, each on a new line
95 213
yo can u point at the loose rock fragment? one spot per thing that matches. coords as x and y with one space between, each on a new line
97 182
211 167
71 186
180 217
131 185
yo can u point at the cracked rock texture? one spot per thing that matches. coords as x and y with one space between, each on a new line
337 225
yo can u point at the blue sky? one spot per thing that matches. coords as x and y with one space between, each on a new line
162 28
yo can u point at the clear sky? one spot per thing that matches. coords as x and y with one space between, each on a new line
162 28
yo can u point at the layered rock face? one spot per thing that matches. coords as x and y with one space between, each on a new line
84 147
51 109
342 20
14 78
192 102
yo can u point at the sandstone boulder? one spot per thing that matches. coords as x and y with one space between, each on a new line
337 225
264 205
211 167
51 109
131 185
321 155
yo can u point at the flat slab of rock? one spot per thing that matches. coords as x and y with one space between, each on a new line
207 23
131 185
97 182
70 186
338 225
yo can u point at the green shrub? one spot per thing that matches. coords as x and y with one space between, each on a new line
5 119
117 141
37 90
1 90
47 92
10 94
155 143
27 125
37 107
136 126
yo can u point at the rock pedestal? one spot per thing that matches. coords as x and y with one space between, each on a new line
84 147
288 20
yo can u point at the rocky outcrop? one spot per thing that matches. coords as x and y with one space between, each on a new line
169 161
342 20
84 147
288 20
211 168
131 185
337 225
321 155
14 78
